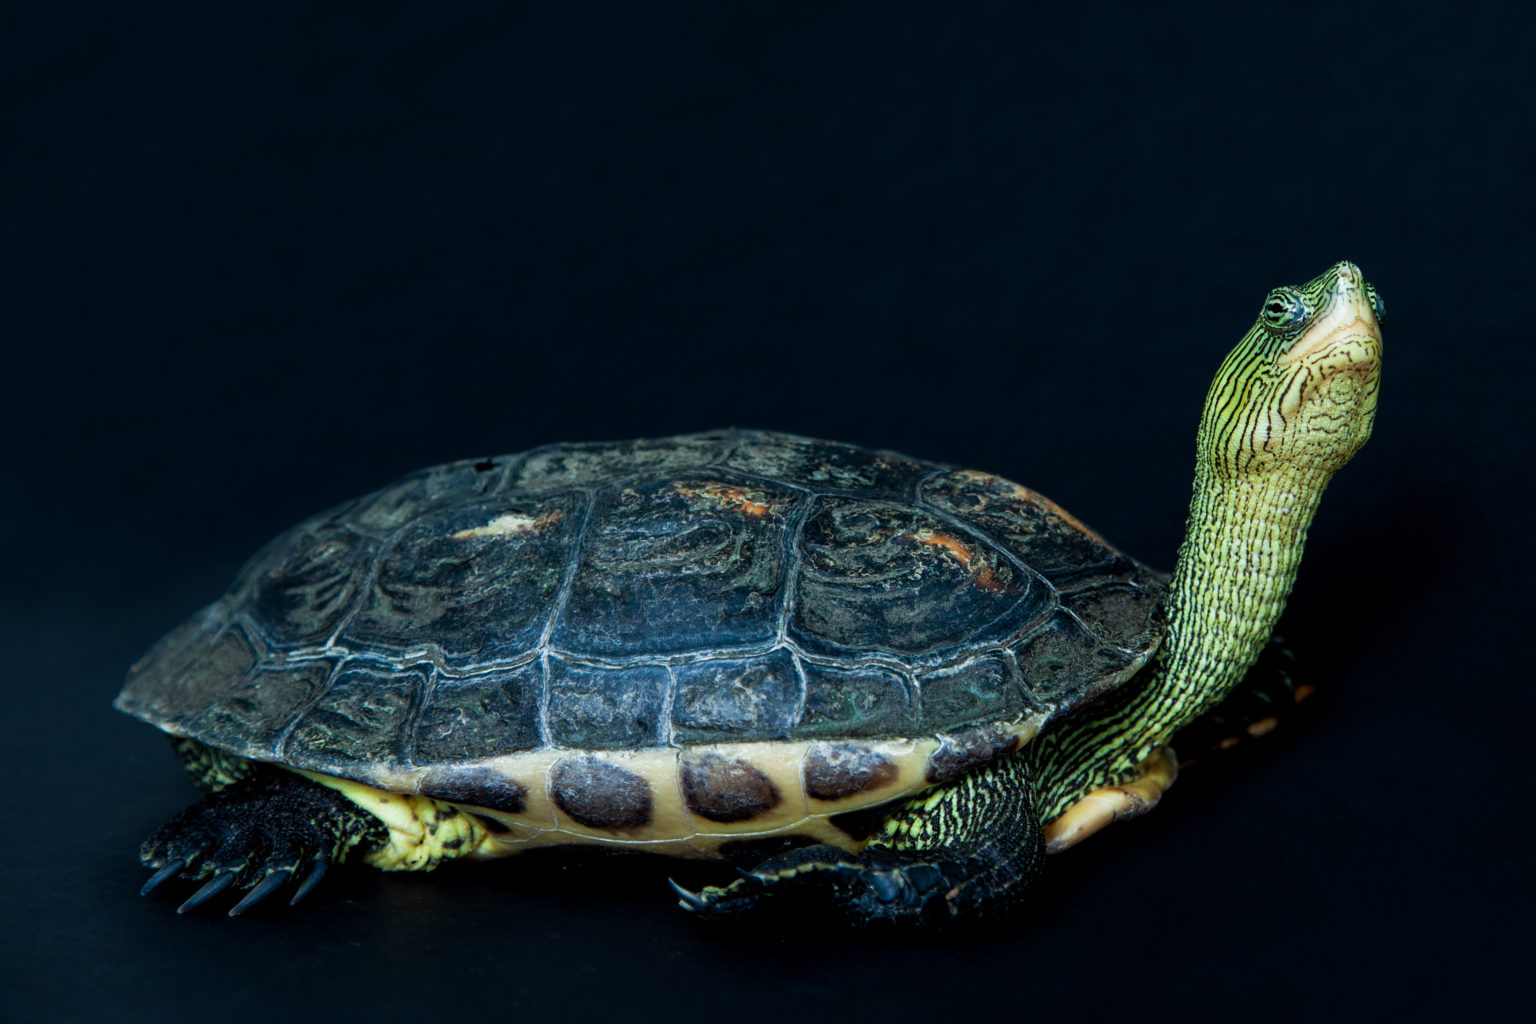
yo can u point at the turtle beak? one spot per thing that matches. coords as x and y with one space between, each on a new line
1346 336
1336 363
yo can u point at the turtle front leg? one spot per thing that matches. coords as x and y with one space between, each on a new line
258 834
965 848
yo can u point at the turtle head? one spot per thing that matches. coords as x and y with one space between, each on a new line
1298 393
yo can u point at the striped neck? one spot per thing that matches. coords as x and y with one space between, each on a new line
1291 404
1235 569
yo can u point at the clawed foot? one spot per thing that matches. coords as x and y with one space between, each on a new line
256 836
875 886
261 883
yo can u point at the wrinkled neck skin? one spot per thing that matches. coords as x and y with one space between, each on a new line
1234 573
1235 569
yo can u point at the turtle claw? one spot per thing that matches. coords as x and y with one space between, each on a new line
160 877
267 886
215 885
687 899
716 902
751 879
311 880
257 834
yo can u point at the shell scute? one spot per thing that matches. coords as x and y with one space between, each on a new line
598 707
481 715
985 688
1059 659
677 565
436 489
475 583
1037 531
303 591
258 710
736 699
858 700
363 715
563 467
827 466
895 578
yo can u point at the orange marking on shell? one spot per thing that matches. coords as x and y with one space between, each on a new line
753 504
949 542
957 549
1033 497
1302 692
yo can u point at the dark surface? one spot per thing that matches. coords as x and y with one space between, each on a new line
255 265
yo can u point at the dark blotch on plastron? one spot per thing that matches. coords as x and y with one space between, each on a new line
481 787
834 771
485 465
724 790
968 750
602 795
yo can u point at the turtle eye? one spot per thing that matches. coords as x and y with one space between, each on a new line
1377 306
1284 308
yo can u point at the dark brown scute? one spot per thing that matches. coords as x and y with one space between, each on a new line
725 790
732 700
361 715
480 787
598 794
834 771
968 750
869 581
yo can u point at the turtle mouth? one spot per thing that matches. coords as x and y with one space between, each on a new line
1339 354
1344 337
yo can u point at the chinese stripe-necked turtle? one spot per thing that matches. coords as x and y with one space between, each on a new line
887 684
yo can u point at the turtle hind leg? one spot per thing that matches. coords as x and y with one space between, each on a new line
257 834
965 849
210 767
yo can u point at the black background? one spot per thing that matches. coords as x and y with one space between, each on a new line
258 263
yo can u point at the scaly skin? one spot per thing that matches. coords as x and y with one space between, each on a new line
1291 404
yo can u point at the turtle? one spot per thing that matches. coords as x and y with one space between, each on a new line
884 688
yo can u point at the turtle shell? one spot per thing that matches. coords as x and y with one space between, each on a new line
591 607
